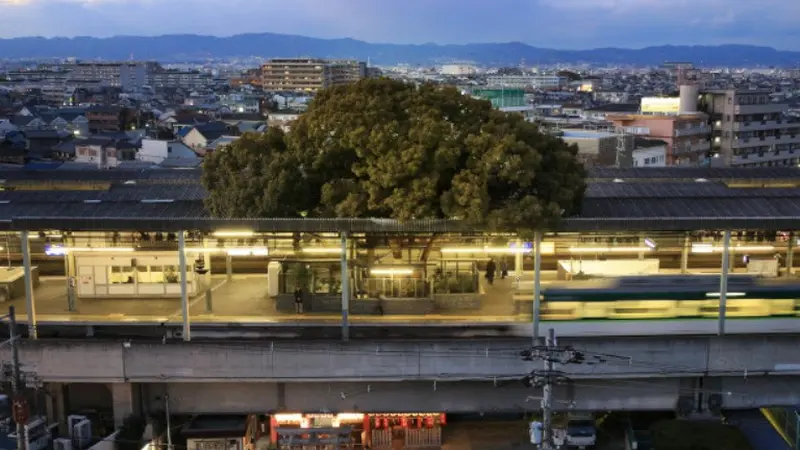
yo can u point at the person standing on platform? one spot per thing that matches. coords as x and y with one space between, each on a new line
298 299
491 268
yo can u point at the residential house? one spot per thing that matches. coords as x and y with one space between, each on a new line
157 151
12 148
218 143
6 126
199 136
40 143
282 120
104 152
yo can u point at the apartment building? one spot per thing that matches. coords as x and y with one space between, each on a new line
185 79
527 81
686 135
750 130
309 74
128 75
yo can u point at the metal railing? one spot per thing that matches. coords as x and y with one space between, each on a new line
395 287
786 422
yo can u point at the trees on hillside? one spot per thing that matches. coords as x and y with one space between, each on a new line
383 148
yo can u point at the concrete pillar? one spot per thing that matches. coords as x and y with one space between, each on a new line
723 281
122 402
790 256
537 283
642 245
345 291
184 292
229 267
54 404
518 259
687 246
30 304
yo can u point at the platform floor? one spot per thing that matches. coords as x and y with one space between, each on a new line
242 299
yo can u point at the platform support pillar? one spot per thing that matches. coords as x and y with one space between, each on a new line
790 255
345 291
184 290
687 246
518 259
30 304
537 283
723 281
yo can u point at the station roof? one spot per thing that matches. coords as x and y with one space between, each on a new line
639 199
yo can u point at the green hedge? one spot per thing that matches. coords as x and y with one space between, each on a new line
130 434
696 435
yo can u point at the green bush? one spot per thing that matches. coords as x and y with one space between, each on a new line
695 435
130 434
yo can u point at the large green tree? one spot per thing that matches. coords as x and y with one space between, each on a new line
383 148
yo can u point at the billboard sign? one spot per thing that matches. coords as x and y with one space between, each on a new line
660 105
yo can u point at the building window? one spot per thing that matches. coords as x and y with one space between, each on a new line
120 275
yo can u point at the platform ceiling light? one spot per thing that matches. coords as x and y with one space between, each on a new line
233 233
582 250
703 248
254 251
322 250
57 250
391 271
729 294
288 418
547 248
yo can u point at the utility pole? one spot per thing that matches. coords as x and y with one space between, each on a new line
19 409
551 354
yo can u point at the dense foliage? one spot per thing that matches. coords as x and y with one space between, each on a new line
383 148
689 435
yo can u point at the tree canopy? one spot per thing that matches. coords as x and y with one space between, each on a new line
388 149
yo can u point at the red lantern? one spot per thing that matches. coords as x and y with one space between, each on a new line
419 422
386 423
404 422
429 421
442 419
378 421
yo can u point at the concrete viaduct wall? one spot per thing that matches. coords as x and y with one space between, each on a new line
465 396
148 362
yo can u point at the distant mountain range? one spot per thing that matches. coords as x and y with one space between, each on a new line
188 47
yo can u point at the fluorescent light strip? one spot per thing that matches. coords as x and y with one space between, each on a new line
609 249
710 248
388 271
322 250
729 294
232 233
61 251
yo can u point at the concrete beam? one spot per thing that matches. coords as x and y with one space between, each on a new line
142 362
454 397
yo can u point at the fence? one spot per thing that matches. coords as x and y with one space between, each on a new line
786 422
396 287
460 283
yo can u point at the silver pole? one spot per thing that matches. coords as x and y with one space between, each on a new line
723 281
30 305
790 255
537 283
547 393
345 291
169 422
184 292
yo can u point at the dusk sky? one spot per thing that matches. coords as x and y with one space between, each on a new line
567 24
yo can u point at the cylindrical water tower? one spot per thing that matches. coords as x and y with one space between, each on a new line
689 93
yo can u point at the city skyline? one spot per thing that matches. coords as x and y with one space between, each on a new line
561 24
